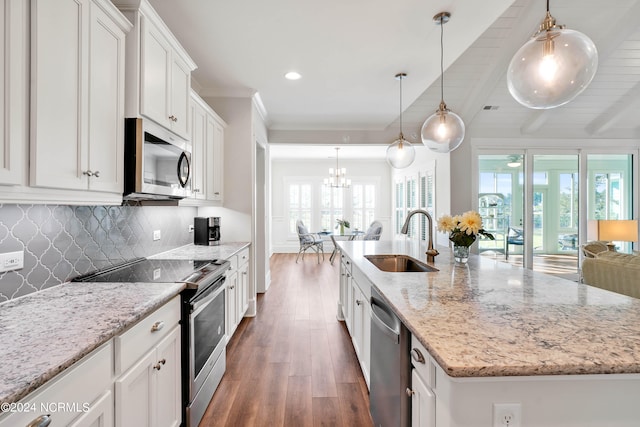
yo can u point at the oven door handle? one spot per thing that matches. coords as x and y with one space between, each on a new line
206 298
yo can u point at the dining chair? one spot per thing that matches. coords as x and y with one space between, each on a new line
308 241
373 232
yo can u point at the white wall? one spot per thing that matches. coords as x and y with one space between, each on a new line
238 151
318 170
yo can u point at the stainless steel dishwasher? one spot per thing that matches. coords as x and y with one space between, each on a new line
390 366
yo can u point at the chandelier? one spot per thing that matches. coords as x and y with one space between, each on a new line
337 177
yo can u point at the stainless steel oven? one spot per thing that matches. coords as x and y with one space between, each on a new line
202 321
204 333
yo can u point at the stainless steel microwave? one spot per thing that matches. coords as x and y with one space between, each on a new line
157 162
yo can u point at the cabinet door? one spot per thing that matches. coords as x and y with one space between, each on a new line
100 414
168 387
134 392
423 403
106 103
215 178
13 90
155 63
179 93
231 303
243 290
198 159
357 309
59 93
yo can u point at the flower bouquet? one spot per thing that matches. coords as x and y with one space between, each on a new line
342 223
463 231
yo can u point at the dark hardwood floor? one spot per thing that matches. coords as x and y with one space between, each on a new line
293 364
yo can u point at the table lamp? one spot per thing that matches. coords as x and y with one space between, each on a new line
610 230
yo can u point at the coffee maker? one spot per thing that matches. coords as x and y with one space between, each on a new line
206 230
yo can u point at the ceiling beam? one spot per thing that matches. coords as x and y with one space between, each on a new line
610 116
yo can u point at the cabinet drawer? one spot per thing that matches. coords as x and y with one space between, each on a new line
70 394
426 369
138 340
243 256
234 262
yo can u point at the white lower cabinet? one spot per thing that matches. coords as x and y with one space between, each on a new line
355 302
148 394
423 402
79 396
237 293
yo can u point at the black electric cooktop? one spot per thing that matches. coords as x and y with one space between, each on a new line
152 270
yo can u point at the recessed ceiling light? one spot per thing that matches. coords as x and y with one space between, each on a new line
292 75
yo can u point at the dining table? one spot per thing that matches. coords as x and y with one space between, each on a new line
337 235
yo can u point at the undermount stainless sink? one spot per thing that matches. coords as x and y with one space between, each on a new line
399 264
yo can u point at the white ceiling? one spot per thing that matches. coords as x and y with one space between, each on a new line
349 51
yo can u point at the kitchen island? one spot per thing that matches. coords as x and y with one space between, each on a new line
566 353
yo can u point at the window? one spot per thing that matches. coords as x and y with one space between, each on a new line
364 205
331 202
299 205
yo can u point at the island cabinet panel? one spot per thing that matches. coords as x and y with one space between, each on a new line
77 396
355 296
423 402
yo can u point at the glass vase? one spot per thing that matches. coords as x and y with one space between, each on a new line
461 253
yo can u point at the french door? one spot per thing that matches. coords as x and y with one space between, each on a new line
537 202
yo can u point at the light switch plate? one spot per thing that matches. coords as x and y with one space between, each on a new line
156 234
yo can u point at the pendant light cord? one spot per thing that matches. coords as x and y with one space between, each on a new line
441 61
401 104
547 5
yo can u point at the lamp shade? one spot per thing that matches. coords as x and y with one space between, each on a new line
443 131
552 68
620 230
400 154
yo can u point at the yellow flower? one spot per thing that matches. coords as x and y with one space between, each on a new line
446 224
470 222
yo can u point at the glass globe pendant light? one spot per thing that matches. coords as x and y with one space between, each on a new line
400 154
443 131
553 67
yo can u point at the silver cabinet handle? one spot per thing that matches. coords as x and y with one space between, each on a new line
173 118
157 366
196 190
157 326
217 193
358 301
96 174
41 421
409 392
88 173
417 356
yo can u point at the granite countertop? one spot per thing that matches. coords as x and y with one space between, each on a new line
43 333
488 318
203 253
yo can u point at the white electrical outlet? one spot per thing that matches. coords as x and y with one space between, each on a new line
156 234
11 261
190 228
507 415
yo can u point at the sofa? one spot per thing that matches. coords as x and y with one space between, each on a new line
613 271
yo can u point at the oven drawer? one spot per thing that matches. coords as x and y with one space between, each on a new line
135 342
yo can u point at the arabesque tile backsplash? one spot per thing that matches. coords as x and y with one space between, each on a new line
61 242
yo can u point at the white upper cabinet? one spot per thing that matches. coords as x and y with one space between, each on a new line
13 91
206 131
158 70
77 95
